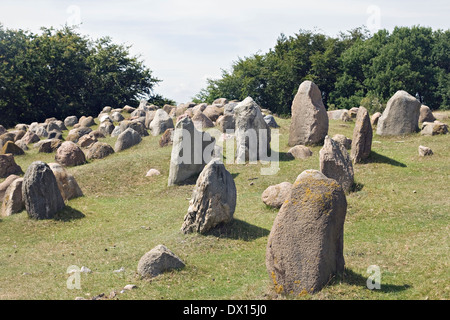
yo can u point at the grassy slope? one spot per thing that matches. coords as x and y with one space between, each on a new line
125 214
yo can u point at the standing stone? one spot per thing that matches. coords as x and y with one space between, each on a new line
167 138
69 155
158 260
432 128
226 122
335 163
40 192
305 246
48 146
191 151
270 120
99 150
346 142
425 151
253 135
374 119
201 121
117 117
336 114
220 102
425 114
152 173
299 152
11 147
149 116
136 125
8 136
67 184
30 137
362 136
401 115
213 112
213 200
70 121
160 123
86 121
106 128
13 200
8 166
5 184
127 139
309 124
274 196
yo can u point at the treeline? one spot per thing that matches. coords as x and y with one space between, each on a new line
59 73
352 69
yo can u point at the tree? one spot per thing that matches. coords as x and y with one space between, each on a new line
60 73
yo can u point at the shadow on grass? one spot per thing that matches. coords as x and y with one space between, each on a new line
352 278
379 158
284 156
68 214
239 230
356 187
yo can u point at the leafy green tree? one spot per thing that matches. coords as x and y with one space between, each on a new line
60 72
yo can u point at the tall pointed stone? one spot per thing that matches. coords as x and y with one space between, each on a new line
213 199
40 192
335 163
305 246
362 136
309 124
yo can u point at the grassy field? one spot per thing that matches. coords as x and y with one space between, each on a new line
397 219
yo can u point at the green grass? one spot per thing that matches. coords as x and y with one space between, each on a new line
398 219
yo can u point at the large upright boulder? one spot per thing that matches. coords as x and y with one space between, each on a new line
362 136
127 139
309 124
335 163
40 192
69 155
305 246
160 123
213 200
67 184
191 151
8 165
253 135
401 115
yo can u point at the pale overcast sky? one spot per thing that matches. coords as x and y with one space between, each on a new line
185 42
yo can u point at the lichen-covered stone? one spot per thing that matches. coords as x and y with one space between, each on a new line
305 246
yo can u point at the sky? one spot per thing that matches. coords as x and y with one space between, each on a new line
184 42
